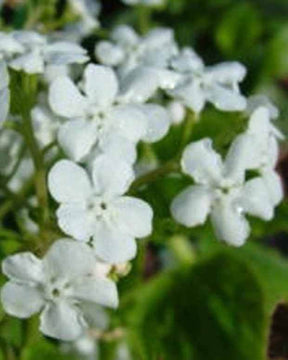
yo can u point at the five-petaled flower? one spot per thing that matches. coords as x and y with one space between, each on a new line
62 286
94 209
98 123
221 190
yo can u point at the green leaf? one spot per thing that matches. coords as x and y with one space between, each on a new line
44 350
229 35
214 310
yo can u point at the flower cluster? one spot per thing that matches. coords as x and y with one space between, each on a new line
89 125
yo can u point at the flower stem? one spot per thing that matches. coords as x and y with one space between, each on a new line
144 19
167 168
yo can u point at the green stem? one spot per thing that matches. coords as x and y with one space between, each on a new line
188 126
144 18
169 167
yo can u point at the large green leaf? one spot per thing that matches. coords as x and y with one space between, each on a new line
214 310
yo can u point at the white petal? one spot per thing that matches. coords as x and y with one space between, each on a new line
134 216
112 246
4 104
229 223
95 315
130 122
77 138
63 53
192 206
20 300
111 177
259 123
125 36
225 99
191 94
188 61
65 99
4 74
69 259
255 199
200 161
69 182
139 85
228 73
23 267
100 84
61 321
240 157
31 63
157 120
109 54
98 291
274 186
119 147
256 101
74 220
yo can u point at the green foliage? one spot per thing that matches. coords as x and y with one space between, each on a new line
189 314
229 35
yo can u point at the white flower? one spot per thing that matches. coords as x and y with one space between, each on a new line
9 46
37 53
177 112
198 84
87 10
98 122
4 92
94 208
11 145
221 191
60 286
127 50
261 143
45 122
256 101
144 2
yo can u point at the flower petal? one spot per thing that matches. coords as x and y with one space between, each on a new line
65 99
134 216
69 182
69 259
4 104
191 94
192 206
255 199
129 121
20 300
118 147
227 73
157 122
109 54
229 223
125 35
113 246
74 220
98 291
225 99
62 321
200 161
31 63
24 268
274 186
77 137
240 157
111 177
63 53
100 84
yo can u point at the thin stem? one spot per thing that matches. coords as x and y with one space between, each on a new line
187 130
144 18
169 167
